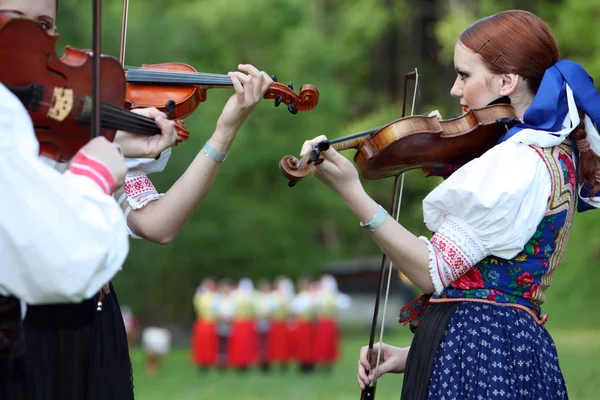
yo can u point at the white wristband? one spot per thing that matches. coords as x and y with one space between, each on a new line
376 220
213 153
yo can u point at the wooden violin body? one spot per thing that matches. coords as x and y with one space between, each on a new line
417 142
153 85
57 92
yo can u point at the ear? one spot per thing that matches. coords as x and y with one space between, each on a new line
508 84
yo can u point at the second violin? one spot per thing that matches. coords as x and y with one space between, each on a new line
157 84
414 142
56 92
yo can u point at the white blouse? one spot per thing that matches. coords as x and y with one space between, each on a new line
61 237
490 206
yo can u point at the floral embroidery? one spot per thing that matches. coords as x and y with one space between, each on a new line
140 190
455 261
524 279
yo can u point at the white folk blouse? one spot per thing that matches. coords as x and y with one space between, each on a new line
61 236
490 206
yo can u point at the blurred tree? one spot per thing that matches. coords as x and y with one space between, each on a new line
356 53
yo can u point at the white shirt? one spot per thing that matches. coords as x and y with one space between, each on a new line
490 206
61 237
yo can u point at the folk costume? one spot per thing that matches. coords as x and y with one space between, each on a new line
264 305
327 338
80 351
62 238
242 348
303 332
279 339
501 225
205 342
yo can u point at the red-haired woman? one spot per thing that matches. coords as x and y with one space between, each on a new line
500 222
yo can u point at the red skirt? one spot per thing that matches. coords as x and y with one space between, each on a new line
278 342
303 342
327 341
243 344
205 343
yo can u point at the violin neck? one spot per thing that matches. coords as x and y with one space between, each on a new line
166 78
352 141
348 144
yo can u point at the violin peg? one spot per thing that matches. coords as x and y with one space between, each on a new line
323 145
290 85
274 78
293 109
314 155
509 122
278 100
170 108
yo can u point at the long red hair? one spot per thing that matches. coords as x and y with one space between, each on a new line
519 42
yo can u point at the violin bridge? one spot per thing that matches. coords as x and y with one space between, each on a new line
62 104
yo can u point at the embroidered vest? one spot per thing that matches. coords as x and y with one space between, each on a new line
523 281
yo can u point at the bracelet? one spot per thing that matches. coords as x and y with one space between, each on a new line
213 153
376 220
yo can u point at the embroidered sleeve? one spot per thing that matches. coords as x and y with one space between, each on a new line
453 250
139 191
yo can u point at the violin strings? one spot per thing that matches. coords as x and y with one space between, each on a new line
111 116
195 78
126 120
114 117
134 68
356 135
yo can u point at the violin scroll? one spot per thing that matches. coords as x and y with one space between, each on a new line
305 101
294 169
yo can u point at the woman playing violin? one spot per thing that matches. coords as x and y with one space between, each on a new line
68 218
500 223
74 351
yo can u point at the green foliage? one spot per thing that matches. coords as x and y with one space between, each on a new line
356 53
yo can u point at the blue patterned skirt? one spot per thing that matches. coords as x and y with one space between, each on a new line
489 351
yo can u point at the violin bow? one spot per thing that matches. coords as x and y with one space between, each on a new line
368 393
124 32
96 48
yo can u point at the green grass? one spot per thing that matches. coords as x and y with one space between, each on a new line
579 352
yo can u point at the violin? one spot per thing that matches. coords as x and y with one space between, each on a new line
155 85
414 142
57 92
